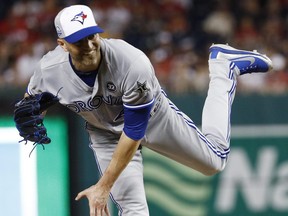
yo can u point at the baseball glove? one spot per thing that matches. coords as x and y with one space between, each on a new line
29 118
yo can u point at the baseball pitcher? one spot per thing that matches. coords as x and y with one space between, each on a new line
113 86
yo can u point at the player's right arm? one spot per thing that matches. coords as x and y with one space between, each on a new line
135 124
138 100
98 194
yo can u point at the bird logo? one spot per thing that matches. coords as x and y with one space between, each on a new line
80 17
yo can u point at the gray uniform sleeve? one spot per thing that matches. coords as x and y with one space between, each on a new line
36 81
138 83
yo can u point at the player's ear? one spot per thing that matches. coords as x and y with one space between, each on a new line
62 43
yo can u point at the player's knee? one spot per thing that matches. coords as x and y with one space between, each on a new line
211 172
214 169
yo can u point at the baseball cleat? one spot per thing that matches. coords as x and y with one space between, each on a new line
245 61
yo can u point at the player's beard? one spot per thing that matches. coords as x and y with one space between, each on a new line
87 61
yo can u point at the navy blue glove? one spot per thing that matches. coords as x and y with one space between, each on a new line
29 119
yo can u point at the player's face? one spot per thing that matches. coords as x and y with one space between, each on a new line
85 53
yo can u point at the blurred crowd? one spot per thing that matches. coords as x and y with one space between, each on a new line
175 34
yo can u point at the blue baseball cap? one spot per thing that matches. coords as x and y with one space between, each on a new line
76 22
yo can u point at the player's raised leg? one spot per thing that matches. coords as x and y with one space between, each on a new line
225 64
178 138
245 61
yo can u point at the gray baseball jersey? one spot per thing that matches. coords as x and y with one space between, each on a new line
126 76
122 71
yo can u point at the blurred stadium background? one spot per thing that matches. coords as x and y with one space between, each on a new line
176 35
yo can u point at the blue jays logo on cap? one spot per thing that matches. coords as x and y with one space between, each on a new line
80 17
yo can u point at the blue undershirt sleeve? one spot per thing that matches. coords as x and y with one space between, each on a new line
136 120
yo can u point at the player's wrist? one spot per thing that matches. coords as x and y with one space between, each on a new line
104 185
